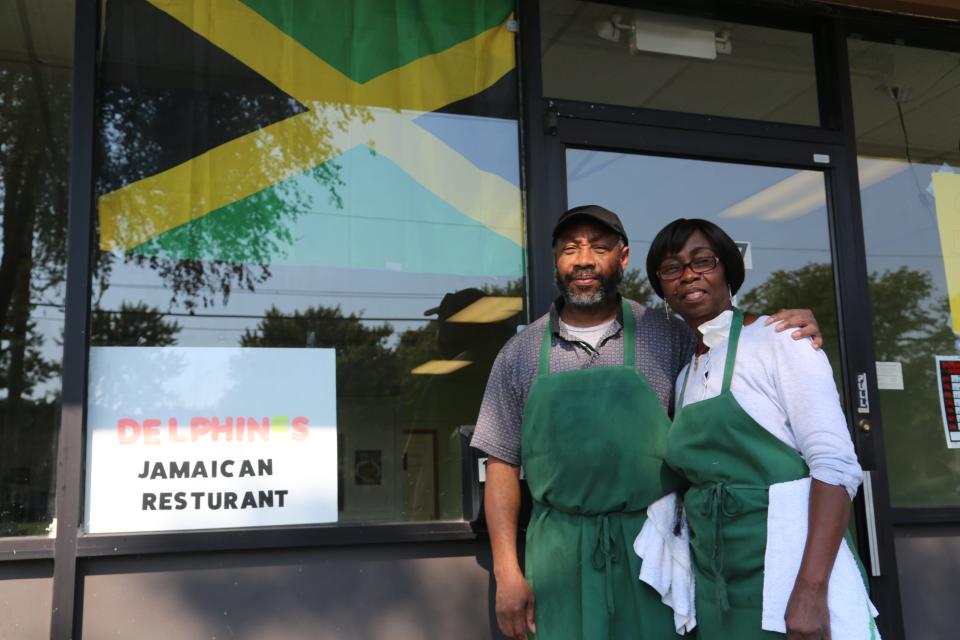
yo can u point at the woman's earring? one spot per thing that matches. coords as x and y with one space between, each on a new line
666 307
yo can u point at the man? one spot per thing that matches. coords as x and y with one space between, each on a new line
580 398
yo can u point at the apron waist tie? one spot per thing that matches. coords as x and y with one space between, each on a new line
604 557
719 501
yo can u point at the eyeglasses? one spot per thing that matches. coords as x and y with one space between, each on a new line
702 264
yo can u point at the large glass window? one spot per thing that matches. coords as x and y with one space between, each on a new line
906 102
36 56
278 182
618 55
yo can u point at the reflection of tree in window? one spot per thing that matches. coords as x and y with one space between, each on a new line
365 365
374 365
910 322
635 286
34 130
133 325
164 104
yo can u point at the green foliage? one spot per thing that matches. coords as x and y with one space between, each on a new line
909 323
910 326
415 347
32 369
512 288
366 366
635 286
133 325
9 528
34 136
809 287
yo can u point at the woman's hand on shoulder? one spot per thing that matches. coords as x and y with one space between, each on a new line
802 320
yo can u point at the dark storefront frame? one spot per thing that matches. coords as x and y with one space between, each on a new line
575 124
547 126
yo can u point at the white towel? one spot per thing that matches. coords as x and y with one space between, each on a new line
666 561
851 612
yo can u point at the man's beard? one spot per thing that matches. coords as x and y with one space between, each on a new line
605 291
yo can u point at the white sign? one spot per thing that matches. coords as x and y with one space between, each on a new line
746 252
863 397
948 375
205 437
890 376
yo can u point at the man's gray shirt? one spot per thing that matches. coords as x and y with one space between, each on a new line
664 345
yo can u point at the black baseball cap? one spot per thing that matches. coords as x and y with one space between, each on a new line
592 212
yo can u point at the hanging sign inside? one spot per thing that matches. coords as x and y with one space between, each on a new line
946 185
200 438
948 373
746 252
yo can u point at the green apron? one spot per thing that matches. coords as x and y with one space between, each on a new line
592 448
731 461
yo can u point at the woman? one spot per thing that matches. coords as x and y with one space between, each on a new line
755 408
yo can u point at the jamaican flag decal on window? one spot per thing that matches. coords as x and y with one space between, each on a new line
349 133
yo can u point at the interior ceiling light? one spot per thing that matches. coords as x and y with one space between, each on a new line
610 29
804 192
489 309
672 35
439 367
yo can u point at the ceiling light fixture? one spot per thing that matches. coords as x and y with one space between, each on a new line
489 309
439 367
671 35
804 192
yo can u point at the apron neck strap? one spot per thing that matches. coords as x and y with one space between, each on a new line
629 340
629 334
545 345
735 326
678 403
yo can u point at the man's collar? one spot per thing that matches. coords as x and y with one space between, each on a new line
557 307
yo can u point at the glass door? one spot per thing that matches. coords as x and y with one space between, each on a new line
905 104
788 201
909 158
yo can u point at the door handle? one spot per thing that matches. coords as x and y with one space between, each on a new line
872 545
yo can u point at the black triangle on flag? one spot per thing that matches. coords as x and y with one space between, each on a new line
171 96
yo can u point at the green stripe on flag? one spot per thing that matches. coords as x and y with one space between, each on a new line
365 38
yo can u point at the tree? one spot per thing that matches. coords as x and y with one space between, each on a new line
133 325
910 326
34 129
33 369
810 286
366 366
635 286
34 134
